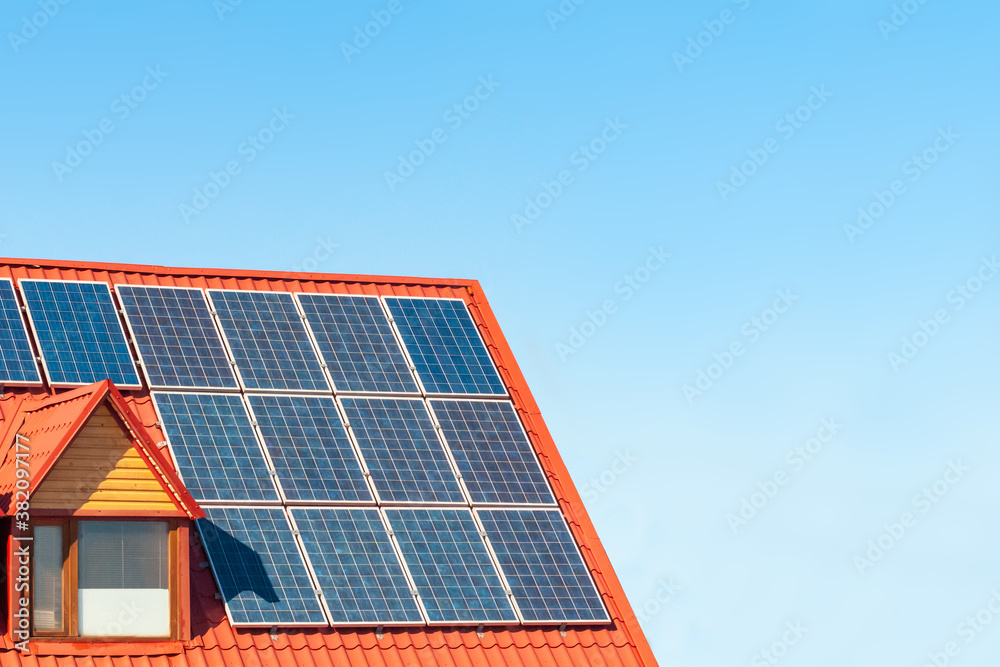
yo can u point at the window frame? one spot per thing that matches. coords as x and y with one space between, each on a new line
71 599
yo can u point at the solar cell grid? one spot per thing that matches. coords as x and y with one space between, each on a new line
268 340
17 361
177 340
310 449
445 346
262 576
547 575
357 343
79 334
357 567
497 462
401 449
212 441
451 566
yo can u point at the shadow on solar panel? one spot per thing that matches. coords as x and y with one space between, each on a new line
250 577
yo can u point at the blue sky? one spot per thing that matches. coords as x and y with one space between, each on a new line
715 154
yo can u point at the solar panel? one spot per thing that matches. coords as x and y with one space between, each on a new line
79 334
540 558
400 446
217 454
17 361
451 566
494 456
261 574
445 346
357 343
357 567
177 340
310 449
268 340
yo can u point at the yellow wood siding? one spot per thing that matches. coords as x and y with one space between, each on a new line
101 470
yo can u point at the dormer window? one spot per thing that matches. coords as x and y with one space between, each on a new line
104 578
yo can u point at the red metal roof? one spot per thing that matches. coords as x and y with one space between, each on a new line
215 643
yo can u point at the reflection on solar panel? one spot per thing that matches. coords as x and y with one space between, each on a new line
399 444
540 559
269 342
492 450
450 565
357 343
79 334
310 449
176 337
445 346
357 568
17 361
217 453
260 571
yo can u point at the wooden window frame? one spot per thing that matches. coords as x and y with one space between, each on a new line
70 615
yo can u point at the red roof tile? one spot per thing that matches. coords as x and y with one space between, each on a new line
215 643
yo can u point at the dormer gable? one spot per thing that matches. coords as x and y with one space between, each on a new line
85 453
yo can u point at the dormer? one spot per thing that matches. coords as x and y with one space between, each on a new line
98 523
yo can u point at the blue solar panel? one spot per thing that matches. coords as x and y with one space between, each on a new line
492 451
269 342
217 453
451 566
260 571
542 563
358 570
357 343
445 346
17 361
79 334
399 444
310 449
177 340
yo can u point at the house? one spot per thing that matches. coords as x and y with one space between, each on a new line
207 467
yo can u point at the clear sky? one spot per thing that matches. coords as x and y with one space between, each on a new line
661 201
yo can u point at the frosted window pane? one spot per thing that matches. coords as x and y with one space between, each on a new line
48 589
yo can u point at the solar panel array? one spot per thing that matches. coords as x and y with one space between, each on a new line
358 457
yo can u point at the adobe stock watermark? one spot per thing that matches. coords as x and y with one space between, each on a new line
31 25
914 168
899 17
223 7
714 28
962 294
22 535
581 158
562 12
454 116
796 459
121 108
595 487
752 330
364 34
925 500
773 654
968 631
629 284
786 126
248 149
321 252
666 590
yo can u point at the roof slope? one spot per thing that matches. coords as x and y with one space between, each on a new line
216 643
